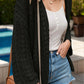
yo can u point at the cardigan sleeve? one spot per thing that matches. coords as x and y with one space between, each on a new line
22 63
68 32
68 13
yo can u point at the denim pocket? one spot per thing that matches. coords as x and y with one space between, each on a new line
62 57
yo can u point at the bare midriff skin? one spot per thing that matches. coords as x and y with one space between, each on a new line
55 6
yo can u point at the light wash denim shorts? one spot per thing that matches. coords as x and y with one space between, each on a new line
59 69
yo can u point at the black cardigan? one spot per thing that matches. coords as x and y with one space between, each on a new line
25 62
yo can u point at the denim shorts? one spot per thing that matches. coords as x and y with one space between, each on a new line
59 69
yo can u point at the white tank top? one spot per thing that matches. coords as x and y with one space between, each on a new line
57 26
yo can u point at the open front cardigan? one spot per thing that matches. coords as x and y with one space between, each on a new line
25 62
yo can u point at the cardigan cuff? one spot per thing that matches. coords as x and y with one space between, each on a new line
69 40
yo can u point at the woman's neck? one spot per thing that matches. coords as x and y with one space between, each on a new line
55 6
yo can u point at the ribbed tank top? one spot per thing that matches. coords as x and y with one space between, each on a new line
57 25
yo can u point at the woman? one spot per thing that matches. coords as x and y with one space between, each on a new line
55 60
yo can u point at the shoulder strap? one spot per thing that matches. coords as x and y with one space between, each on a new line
63 2
39 52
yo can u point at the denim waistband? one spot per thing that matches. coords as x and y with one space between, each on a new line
54 51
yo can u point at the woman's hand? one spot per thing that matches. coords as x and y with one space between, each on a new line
63 48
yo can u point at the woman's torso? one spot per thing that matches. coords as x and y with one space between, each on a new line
57 26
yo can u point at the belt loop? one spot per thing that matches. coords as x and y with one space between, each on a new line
51 52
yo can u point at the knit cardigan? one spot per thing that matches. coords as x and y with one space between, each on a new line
25 62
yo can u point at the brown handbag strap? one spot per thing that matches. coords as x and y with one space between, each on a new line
39 52
10 62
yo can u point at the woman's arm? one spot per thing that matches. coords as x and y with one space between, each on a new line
65 46
22 63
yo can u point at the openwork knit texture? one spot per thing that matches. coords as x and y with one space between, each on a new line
25 44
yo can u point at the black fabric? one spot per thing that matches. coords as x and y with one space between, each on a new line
25 62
